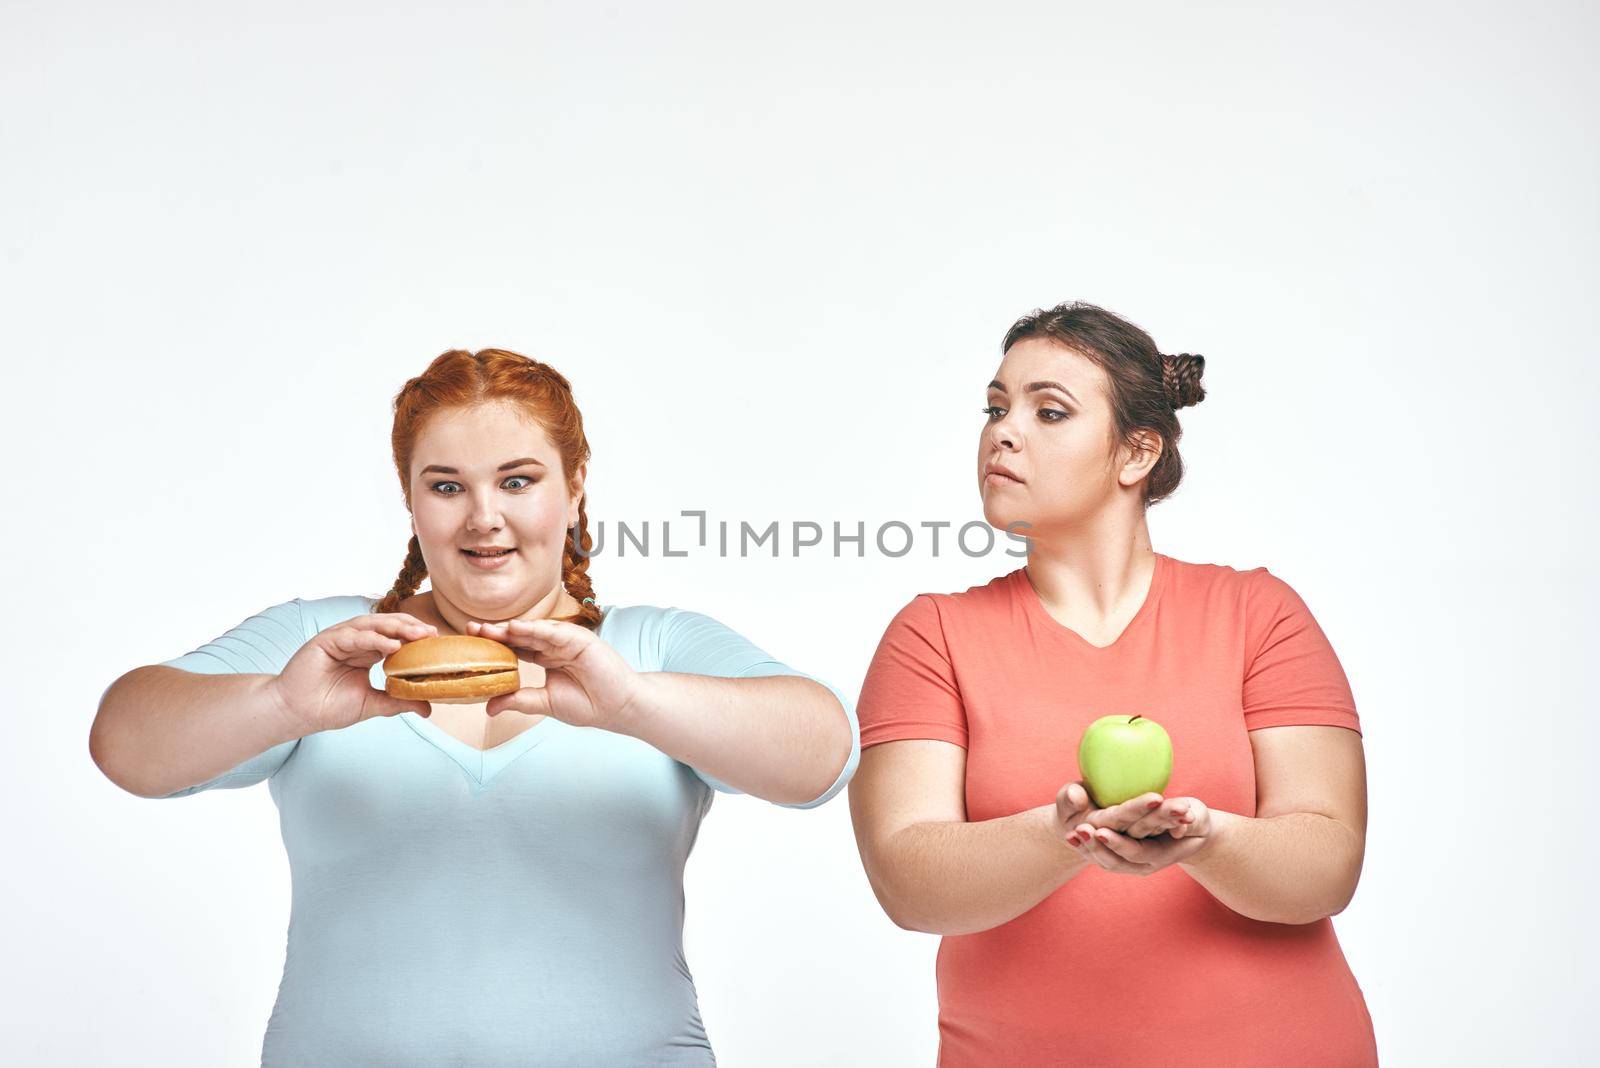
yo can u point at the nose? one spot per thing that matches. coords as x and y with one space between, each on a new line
1003 435
485 515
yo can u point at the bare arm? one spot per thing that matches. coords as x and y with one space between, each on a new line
1299 858
782 738
932 870
778 737
161 729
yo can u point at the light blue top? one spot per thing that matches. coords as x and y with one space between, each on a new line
521 906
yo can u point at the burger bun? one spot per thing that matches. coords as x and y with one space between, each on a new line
451 669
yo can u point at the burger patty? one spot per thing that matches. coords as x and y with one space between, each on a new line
453 675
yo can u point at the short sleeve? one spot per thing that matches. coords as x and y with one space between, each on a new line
910 690
262 644
1292 677
695 644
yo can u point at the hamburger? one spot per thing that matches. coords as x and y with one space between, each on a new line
451 669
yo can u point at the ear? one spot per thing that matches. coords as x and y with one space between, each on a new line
1141 453
576 495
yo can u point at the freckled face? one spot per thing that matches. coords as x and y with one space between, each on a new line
1045 455
502 487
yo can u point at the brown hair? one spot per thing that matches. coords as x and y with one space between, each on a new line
1146 388
460 379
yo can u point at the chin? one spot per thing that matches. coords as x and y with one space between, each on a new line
998 517
523 592
468 600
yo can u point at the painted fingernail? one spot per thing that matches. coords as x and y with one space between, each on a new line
1153 804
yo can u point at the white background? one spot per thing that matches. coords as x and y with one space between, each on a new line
775 249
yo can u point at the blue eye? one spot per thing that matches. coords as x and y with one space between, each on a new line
437 486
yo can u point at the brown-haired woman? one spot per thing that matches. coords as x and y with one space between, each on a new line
497 884
1188 929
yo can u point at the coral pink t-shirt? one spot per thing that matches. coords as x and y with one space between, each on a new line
1114 969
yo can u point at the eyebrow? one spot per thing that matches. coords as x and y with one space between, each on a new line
503 467
1034 387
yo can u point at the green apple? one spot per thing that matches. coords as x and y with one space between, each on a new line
1121 757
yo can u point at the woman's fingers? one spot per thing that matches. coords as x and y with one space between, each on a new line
1093 847
1072 804
1115 861
533 700
556 629
531 641
394 631
551 632
1159 820
1121 817
1136 853
379 703
394 624
525 650
364 647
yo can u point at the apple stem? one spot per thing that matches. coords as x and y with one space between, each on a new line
1132 718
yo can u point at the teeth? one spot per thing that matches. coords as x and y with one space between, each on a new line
500 552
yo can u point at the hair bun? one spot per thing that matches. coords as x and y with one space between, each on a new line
1180 377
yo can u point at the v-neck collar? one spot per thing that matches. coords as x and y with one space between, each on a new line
481 765
1035 607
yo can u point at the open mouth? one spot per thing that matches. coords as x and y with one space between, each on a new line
495 560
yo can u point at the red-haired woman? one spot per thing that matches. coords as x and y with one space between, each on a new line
1165 930
496 884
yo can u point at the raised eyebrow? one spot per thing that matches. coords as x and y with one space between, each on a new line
509 465
1034 387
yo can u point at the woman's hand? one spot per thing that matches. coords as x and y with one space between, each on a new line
1075 808
325 685
1181 817
1172 831
587 683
